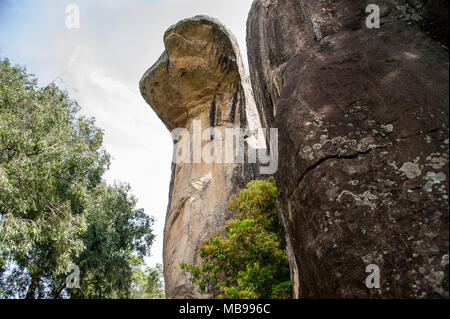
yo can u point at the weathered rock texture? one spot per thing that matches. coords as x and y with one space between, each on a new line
199 77
363 121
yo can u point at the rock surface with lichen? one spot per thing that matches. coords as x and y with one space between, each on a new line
364 145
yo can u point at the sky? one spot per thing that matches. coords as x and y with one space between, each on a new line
101 63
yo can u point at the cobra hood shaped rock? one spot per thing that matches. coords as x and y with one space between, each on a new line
199 77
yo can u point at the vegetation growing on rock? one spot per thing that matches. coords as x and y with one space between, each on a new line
248 259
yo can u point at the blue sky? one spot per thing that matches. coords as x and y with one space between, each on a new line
101 64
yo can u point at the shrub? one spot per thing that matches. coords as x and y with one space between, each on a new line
247 259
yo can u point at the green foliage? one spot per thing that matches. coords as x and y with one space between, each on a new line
248 260
117 234
55 209
147 281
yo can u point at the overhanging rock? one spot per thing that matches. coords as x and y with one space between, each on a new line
199 78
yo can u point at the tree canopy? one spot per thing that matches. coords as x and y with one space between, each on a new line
55 208
147 281
248 259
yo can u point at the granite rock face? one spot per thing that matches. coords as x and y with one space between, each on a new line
199 79
364 145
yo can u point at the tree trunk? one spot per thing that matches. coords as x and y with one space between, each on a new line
33 286
57 294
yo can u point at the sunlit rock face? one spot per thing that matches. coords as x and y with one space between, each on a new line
363 124
199 81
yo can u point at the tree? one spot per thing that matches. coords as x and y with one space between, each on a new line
248 258
54 206
147 281
117 234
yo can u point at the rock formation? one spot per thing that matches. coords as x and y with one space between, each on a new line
199 77
364 146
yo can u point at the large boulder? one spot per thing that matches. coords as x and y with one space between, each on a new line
364 147
198 83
